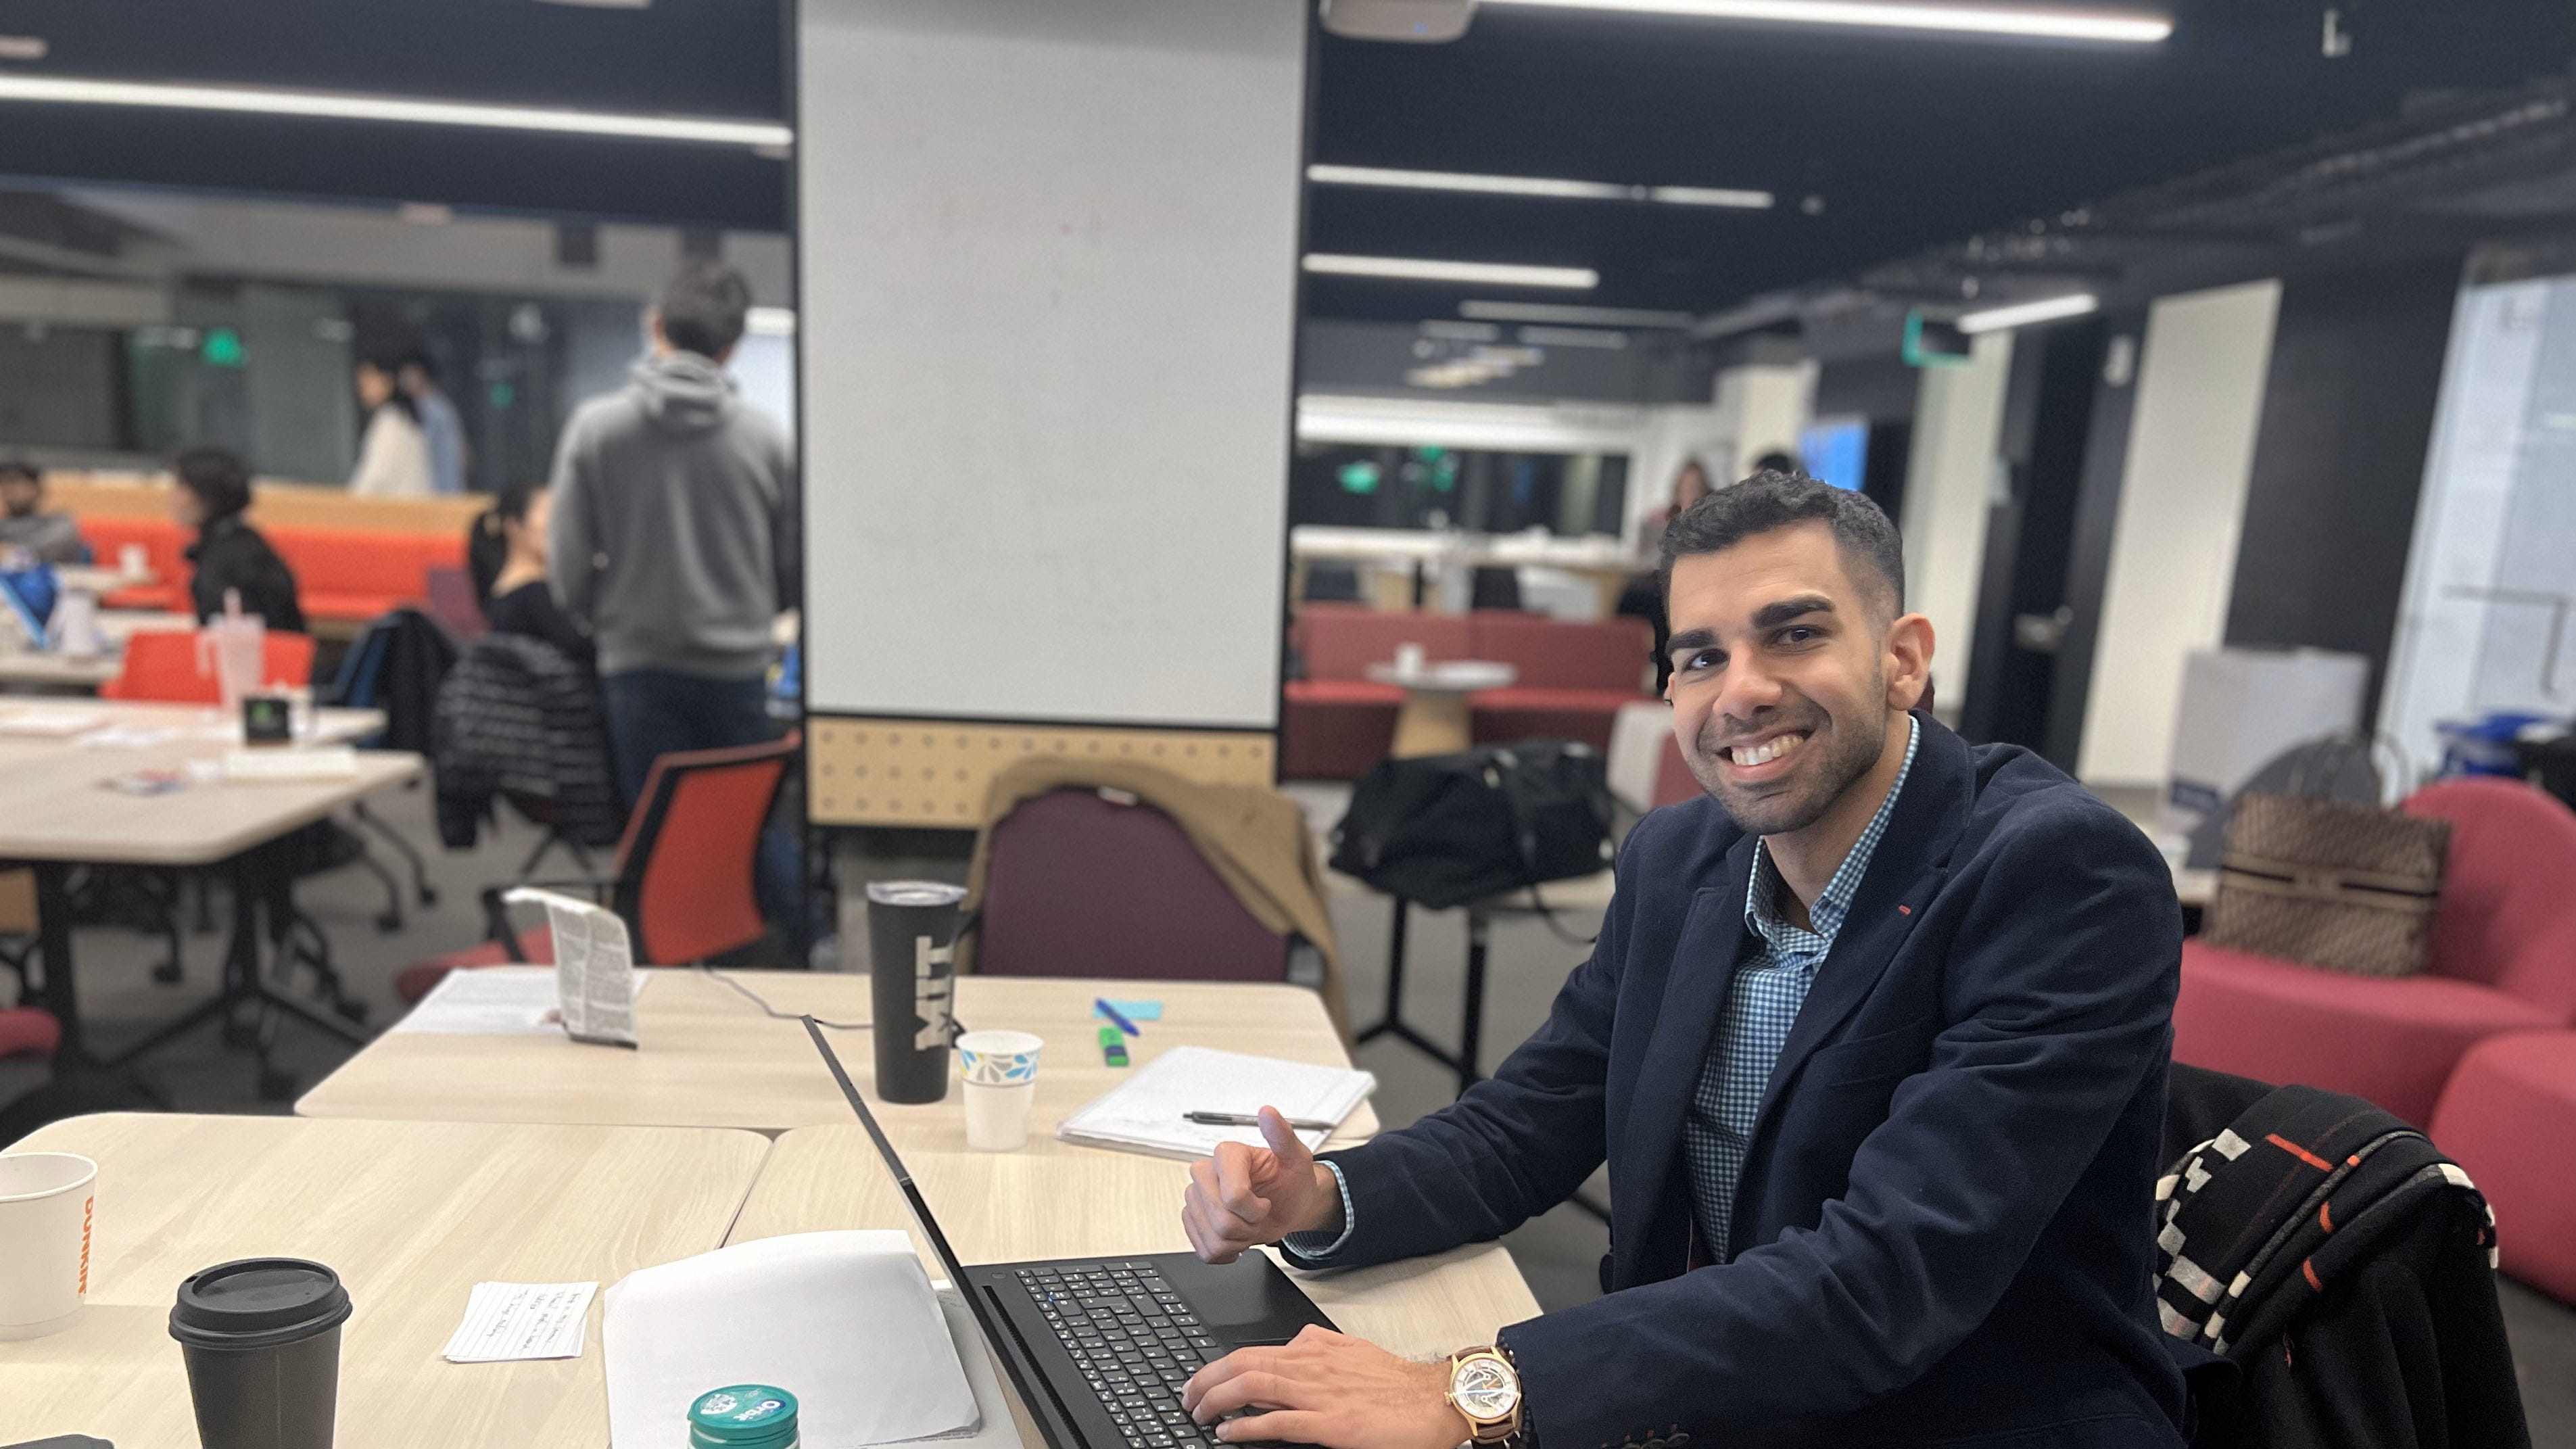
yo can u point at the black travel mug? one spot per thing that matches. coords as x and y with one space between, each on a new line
262 1340
912 943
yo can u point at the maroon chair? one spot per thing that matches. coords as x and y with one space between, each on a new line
2509 1117
2504 959
1573 676
25 1031
1080 884
685 872
1336 722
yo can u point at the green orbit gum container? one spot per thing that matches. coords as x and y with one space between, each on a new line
743 1416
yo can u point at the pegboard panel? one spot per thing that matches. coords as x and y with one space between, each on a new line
935 773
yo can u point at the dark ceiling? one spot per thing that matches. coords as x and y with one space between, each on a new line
1909 142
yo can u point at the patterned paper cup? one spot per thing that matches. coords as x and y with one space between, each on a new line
998 1058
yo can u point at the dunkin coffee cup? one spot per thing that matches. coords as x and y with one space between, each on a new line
45 1202
912 944
262 1339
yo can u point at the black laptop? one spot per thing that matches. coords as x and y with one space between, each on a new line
1099 1348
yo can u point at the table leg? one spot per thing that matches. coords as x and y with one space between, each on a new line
54 945
1432 722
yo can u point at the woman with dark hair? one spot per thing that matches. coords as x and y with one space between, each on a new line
393 453
507 555
213 490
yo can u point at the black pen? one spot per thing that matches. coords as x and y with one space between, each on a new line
1245 1119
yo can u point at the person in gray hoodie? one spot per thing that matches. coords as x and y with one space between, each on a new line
674 545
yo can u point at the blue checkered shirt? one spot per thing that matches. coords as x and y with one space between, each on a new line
1761 1006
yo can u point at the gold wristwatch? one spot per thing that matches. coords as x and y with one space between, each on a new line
1485 1389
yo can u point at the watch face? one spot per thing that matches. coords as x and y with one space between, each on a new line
1485 1389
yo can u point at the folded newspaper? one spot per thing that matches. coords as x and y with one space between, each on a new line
594 966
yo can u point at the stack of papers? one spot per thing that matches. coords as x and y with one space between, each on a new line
1144 1113
42 722
495 1001
845 1321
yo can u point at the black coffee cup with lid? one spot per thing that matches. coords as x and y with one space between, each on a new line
262 1340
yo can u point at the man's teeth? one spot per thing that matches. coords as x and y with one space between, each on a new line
1765 752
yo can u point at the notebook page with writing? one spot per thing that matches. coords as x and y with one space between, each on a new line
1144 1114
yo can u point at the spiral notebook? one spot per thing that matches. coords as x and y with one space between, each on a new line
1144 1113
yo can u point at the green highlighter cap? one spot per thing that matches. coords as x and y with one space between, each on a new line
744 1416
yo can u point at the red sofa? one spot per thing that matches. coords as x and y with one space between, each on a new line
2504 959
348 575
1572 679
2509 1118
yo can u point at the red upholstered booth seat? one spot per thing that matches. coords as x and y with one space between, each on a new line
2509 1117
2504 959
1336 722
1573 677
25 1031
351 574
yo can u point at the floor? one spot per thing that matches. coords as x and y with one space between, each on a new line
1558 1252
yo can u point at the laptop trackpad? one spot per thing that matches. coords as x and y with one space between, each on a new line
1246 1302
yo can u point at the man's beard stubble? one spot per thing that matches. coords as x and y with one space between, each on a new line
1851 748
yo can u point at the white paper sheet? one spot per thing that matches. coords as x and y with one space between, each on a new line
494 1001
843 1320
594 967
1143 1114
505 1322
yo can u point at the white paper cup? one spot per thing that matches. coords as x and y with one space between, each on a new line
45 1203
997 1118
133 560
1001 1071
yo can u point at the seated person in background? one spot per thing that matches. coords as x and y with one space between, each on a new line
507 553
213 491
1873 1040
53 538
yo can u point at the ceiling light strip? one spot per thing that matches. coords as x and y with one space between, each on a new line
1573 315
246 100
2112 27
2020 314
1547 186
1419 269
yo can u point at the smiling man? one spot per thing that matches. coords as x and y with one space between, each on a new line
1873 1041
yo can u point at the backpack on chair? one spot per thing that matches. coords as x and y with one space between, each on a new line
1443 830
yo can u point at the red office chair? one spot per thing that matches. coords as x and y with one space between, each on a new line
685 873
161 666
1078 884
25 1031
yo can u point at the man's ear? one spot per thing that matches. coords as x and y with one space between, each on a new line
1909 660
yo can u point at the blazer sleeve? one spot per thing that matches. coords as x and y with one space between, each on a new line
2060 987
1517 1144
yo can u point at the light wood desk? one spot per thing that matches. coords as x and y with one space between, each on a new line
63 673
411 1216
1054 1200
710 1058
57 810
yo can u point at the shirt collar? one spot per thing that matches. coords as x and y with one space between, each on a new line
1763 917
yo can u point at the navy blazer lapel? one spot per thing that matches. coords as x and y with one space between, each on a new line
1912 861
1704 959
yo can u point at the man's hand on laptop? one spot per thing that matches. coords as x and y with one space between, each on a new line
1330 1389
1246 1196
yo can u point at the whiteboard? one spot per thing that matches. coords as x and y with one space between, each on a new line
1047 255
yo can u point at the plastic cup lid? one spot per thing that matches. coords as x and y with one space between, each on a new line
258 1303
750 1416
914 893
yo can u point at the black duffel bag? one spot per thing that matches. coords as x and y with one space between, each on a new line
1445 829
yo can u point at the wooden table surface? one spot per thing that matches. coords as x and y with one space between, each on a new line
55 804
411 1216
1051 1199
58 671
710 1058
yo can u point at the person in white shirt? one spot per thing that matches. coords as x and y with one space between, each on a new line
393 452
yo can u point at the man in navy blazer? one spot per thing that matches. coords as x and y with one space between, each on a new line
1873 1039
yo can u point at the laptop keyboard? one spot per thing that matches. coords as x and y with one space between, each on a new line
1136 1341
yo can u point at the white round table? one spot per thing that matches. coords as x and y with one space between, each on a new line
1435 718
